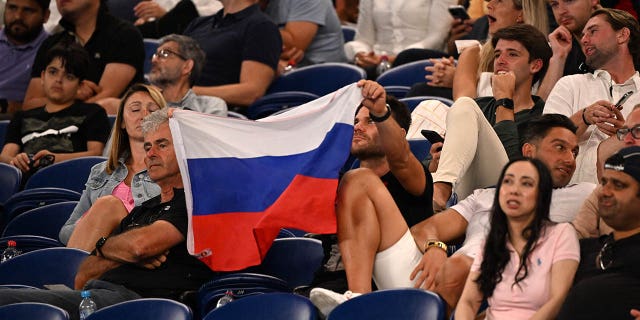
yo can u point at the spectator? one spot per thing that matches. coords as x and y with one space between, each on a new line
527 265
550 138
20 39
472 76
611 44
158 18
310 27
607 283
63 128
242 48
115 50
571 16
587 222
147 255
347 11
117 185
388 27
473 153
391 181
175 67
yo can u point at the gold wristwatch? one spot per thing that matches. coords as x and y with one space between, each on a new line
435 243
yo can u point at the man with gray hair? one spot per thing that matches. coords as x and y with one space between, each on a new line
175 67
146 256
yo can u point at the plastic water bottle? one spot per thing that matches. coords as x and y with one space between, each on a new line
87 306
10 252
384 64
291 65
228 297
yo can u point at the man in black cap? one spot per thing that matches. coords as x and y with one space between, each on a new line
607 284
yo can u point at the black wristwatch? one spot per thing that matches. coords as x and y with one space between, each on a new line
381 118
99 245
505 102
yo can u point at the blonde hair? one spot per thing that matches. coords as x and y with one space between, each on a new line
119 136
534 12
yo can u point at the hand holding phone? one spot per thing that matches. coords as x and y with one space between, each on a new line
459 12
432 136
622 100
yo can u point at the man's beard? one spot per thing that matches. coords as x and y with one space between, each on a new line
22 37
160 80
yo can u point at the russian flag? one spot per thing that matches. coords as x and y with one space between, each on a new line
244 180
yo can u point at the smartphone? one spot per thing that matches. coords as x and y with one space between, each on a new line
459 12
432 136
622 100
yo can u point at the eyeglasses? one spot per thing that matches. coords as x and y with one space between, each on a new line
165 53
604 259
622 132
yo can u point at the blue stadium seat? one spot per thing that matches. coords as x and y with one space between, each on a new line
294 260
28 199
277 101
150 47
242 285
28 243
348 33
406 304
71 174
403 77
272 306
45 221
43 267
10 178
319 79
420 148
144 309
33 310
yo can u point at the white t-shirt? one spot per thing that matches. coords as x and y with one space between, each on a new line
476 209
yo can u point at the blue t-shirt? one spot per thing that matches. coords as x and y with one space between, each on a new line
231 39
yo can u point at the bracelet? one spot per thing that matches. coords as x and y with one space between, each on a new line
435 243
99 245
584 119
381 118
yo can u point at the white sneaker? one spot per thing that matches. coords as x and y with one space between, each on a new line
327 300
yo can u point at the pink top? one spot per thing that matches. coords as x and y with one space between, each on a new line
558 242
123 192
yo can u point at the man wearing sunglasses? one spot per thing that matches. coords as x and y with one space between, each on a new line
607 284
175 67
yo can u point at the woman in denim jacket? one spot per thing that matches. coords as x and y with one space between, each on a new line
117 185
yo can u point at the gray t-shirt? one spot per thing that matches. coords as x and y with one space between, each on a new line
328 43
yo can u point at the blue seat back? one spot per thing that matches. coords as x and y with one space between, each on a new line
406 304
405 75
10 178
33 310
348 33
294 260
413 102
28 243
242 285
71 174
144 309
150 47
319 79
45 221
278 101
28 199
272 306
43 267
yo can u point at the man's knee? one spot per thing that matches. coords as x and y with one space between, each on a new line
451 278
359 180
463 107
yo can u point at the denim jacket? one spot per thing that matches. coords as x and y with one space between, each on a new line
101 184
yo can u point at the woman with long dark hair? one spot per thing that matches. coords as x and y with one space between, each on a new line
528 262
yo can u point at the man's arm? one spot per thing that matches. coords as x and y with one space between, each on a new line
34 96
115 79
402 163
298 34
255 78
561 43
